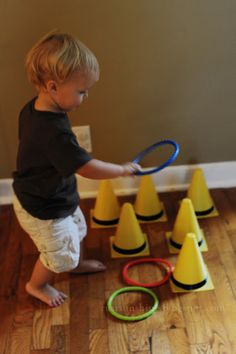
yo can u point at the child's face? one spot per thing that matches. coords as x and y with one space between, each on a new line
69 95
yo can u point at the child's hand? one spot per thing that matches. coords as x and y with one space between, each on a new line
130 168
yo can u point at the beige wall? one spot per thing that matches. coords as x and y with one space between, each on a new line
168 70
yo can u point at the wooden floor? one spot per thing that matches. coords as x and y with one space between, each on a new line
194 322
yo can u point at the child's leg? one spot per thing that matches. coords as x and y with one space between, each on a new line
39 286
88 265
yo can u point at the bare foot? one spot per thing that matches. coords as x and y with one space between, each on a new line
47 294
89 266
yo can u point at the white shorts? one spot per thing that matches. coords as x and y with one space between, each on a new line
57 240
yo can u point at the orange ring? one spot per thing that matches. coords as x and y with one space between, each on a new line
169 269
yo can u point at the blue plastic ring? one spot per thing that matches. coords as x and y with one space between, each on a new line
150 149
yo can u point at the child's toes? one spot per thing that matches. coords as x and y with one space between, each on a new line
64 296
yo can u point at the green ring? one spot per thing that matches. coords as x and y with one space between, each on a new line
132 318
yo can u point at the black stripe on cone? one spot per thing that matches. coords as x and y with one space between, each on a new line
150 217
205 212
105 222
129 251
179 246
188 286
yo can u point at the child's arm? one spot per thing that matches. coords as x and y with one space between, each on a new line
97 169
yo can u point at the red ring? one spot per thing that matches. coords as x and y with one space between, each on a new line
129 281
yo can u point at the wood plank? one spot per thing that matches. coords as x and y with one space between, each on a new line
11 266
79 310
193 318
113 279
202 348
118 337
61 314
98 341
136 303
215 346
200 322
97 301
219 236
232 238
21 331
138 337
178 340
231 195
27 245
169 314
133 304
117 330
41 334
226 200
159 341
7 309
60 339
157 241
24 312
20 340
212 315
226 299
5 226
228 263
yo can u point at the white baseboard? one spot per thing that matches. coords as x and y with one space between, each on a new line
173 178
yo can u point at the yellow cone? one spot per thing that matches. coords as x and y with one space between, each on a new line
107 209
148 206
200 196
129 239
190 273
186 222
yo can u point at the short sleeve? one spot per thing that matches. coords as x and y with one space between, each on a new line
65 154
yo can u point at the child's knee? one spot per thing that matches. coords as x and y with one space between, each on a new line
60 264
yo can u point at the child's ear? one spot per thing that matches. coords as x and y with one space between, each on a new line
51 86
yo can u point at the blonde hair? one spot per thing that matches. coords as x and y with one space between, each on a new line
56 56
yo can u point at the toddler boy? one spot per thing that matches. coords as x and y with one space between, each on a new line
46 201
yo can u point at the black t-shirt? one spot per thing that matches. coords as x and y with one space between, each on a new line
48 156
